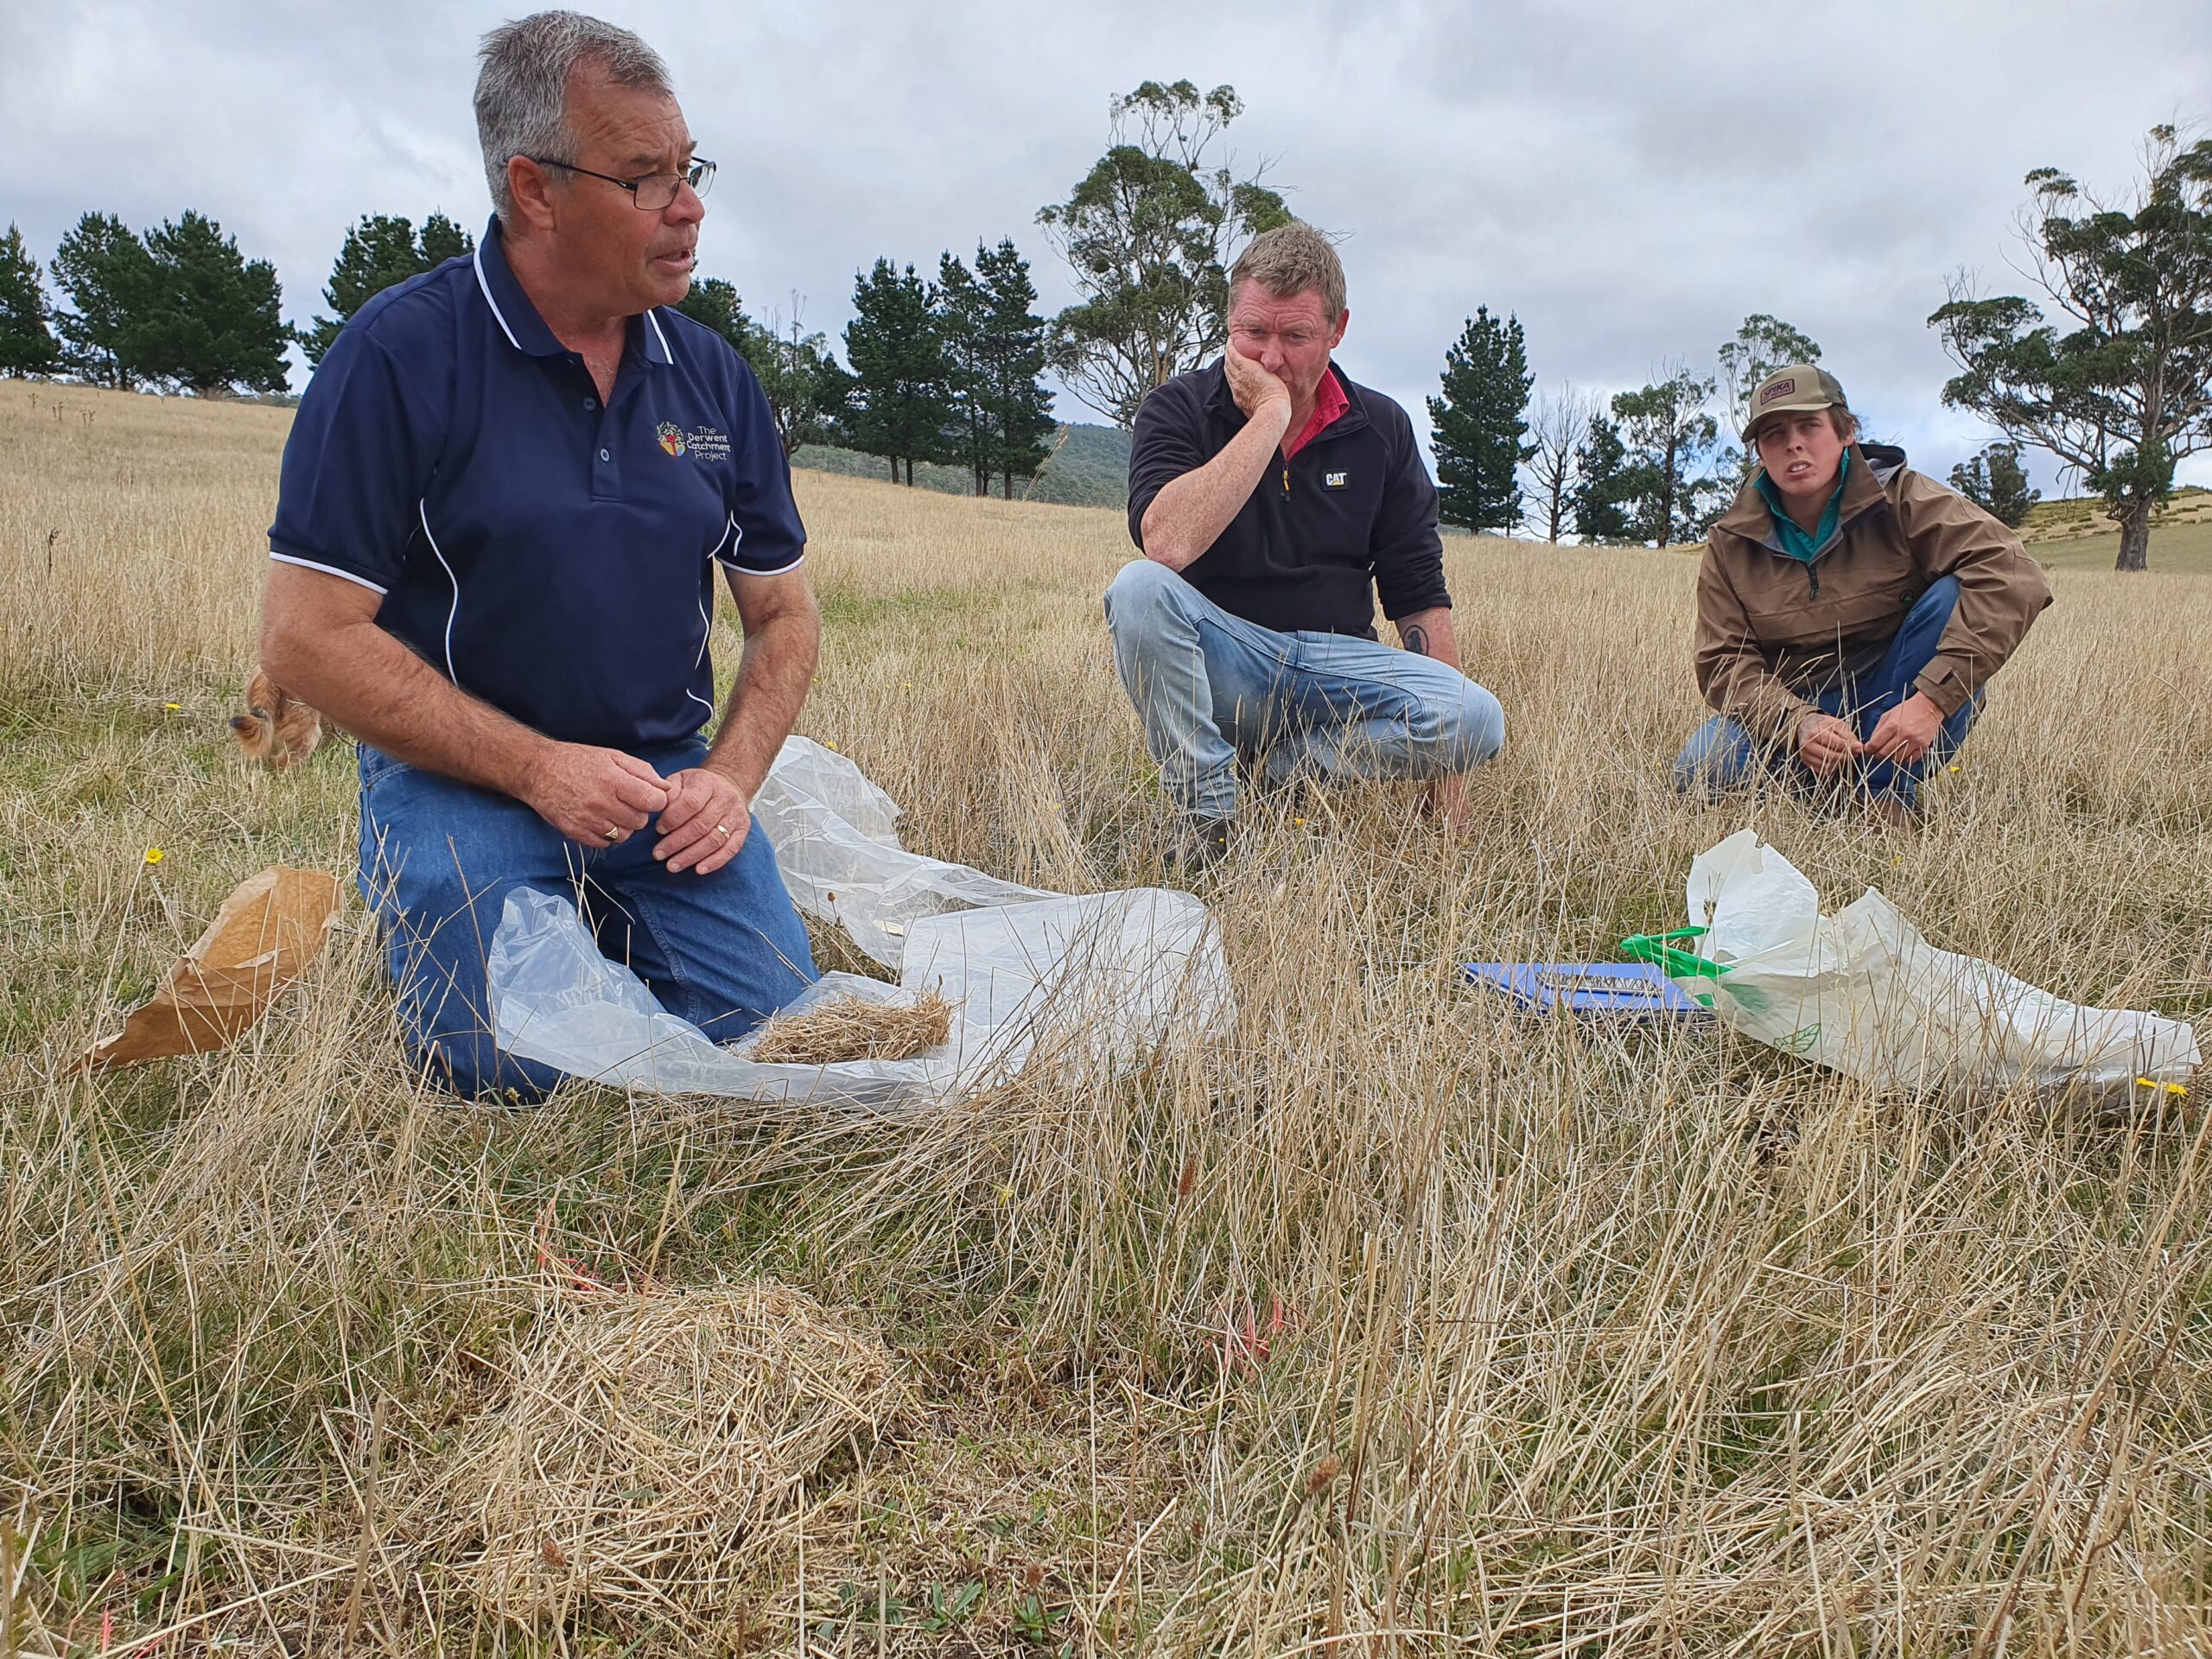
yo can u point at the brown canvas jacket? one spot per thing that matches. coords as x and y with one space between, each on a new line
1774 632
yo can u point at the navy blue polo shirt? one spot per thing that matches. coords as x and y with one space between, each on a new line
553 557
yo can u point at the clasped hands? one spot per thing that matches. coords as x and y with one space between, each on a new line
1902 736
601 798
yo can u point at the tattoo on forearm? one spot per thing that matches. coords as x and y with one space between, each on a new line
1417 640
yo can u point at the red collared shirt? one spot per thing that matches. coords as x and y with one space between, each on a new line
1329 402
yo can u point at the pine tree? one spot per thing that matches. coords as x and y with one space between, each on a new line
714 302
103 270
443 239
961 313
901 407
212 323
27 344
1480 422
994 346
1995 481
380 250
1602 485
1021 405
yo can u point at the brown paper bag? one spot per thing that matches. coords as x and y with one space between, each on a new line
270 931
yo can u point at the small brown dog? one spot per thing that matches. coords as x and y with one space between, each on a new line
276 729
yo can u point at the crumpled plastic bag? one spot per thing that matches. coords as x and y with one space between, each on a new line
267 933
1097 980
836 840
1864 992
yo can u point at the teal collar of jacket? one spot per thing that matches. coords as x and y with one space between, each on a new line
1860 491
1795 541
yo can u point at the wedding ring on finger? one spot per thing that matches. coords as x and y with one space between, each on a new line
613 834
722 829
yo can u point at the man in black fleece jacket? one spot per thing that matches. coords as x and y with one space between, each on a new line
1273 498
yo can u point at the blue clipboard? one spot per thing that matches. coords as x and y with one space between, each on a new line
1612 991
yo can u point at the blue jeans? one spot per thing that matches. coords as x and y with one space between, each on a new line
1210 687
439 857
1722 756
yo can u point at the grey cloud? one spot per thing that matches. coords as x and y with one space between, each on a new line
1630 182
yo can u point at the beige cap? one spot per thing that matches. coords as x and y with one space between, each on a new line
1799 386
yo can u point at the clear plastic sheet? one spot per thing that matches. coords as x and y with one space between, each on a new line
1862 991
1096 980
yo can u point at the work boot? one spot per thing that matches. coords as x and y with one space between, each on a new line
1198 845
1888 812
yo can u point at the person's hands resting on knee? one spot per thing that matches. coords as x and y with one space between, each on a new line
704 822
597 797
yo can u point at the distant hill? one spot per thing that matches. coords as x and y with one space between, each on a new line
1090 468
828 458
2084 515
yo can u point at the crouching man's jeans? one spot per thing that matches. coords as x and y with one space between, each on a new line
1722 756
1210 687
440 857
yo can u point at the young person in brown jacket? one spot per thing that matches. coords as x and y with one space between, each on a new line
1850 613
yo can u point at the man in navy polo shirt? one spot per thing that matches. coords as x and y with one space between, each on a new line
1272 499
503 504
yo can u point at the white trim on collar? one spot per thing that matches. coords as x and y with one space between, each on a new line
666 356
477 260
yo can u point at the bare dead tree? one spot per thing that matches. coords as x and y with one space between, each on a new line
1561 423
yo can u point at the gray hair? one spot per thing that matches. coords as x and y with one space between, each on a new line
522 90
1287 261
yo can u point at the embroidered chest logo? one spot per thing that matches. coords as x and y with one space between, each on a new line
671 437
707 444
1335 480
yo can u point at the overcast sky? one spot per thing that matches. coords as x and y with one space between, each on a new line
1629 179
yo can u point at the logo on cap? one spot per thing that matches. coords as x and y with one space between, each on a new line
1778 389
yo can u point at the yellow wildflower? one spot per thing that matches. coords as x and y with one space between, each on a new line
153 854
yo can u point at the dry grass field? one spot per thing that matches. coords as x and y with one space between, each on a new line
1390 1325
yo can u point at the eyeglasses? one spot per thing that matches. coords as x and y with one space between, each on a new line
655 190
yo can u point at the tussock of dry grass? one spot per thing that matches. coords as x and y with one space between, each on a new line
846 1028
645 1443
1621 1345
